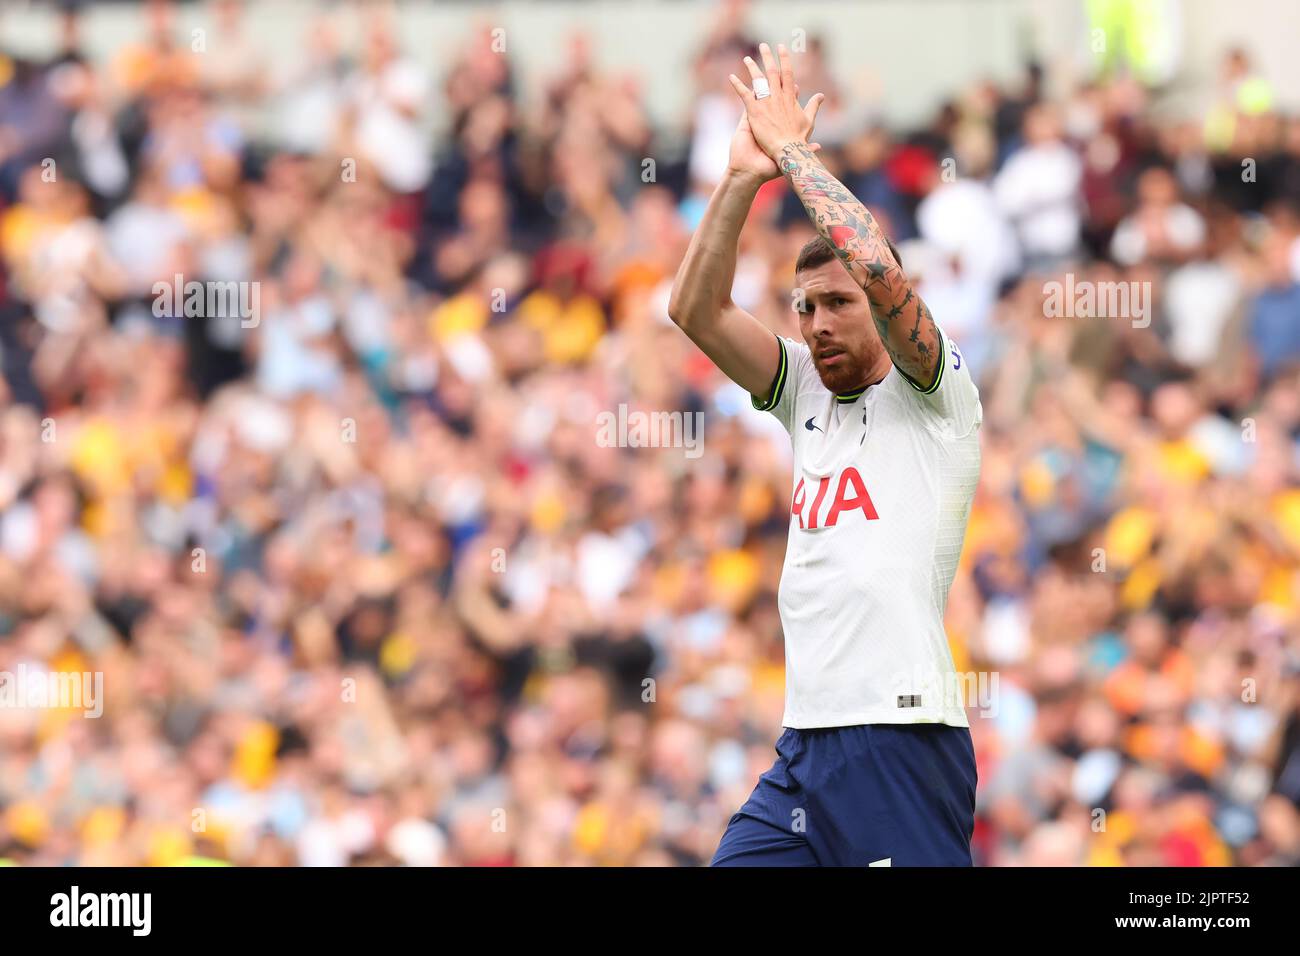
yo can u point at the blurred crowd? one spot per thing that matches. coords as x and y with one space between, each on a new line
365 588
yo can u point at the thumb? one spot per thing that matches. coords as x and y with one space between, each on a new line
810 110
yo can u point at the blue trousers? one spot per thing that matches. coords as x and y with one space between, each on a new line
874 794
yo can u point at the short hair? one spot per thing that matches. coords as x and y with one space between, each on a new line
817 252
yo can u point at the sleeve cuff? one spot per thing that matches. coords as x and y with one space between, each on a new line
943 362
778 383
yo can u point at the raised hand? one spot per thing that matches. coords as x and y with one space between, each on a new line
748 158
775 117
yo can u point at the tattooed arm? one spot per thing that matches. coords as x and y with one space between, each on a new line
905 325
740 345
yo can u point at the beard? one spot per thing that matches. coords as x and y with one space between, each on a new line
845 376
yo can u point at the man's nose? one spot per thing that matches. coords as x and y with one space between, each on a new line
821 323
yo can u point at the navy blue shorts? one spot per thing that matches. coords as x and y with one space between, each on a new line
874 794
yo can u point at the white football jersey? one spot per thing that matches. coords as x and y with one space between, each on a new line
883 482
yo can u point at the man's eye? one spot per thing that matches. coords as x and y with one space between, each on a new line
840 300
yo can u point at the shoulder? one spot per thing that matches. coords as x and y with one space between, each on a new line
795 374
950 405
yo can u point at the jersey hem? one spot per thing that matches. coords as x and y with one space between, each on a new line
952 718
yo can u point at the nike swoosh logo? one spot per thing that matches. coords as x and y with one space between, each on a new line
810 426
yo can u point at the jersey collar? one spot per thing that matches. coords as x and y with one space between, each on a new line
845 398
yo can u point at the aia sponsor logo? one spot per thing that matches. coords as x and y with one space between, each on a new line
850 495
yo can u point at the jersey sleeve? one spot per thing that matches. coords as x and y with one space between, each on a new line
791 378
953 401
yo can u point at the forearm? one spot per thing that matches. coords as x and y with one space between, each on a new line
905 326
742 347
842 221
702 287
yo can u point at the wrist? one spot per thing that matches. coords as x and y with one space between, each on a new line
781 148
745 178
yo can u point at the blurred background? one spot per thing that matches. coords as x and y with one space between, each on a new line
364 587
